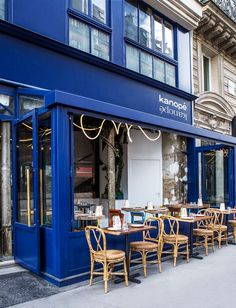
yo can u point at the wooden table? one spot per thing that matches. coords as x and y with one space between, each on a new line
177 207
191 221
133 277
87 217
133 209
157 211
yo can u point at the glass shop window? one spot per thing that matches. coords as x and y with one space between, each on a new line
29 102
2 9
89 39
6 104
86 174
25 198
206 73
144 27
45 170
93 8
131 20
151 66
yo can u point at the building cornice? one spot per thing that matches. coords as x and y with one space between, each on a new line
184 12
219 29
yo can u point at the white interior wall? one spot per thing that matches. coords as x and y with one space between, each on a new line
144 170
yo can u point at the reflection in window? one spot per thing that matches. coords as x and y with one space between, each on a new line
168 46
24 148
170 74
145 28
131 20
158 34
6 104
100 44
159 70
99 10
2 9
45 170
79 35
132 58
29 102
80 5
146 64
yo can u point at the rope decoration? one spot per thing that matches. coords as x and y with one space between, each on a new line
117 129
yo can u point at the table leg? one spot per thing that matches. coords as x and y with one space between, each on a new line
191 253
132 277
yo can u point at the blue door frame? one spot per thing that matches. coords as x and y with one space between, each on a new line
27 238
229 175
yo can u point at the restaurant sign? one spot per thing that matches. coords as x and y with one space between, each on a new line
174 108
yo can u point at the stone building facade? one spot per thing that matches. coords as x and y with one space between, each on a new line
214 66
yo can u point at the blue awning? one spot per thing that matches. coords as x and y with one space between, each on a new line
133 116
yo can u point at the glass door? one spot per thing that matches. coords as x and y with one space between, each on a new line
216 174
26 193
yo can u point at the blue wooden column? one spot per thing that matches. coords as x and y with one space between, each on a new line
61 189
192 164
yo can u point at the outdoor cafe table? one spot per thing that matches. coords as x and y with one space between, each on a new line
157 211
126 233
191 221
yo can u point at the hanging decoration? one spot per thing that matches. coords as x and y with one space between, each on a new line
117 129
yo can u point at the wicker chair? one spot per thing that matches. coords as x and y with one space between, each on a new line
232 223
152 243
203 232
217 226
108 258
172 237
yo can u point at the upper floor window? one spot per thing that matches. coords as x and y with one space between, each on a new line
144 27
2 9
89 39
93 8
206 63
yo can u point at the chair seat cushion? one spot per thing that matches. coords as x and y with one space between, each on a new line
172 238
143 245
217 227
110 254
232 222
199 232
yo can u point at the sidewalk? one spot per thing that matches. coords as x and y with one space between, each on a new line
206 283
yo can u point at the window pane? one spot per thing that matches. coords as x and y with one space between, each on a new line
206 72
132 58
145 28
79 35
170 75
158 34
45 170
131 20
168 46
159 70
100 44
2 9
6 104
99 10
29 102
25 207
80 5
146 64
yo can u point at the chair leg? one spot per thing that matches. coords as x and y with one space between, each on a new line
226 238
219 240
213 243
105 277
159 261
206 244
144 260
125 273
187 252
175 254
234 233
92 269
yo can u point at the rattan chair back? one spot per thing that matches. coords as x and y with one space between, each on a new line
171 226
156 234
96 239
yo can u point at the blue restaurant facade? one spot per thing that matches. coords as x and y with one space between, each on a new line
123 61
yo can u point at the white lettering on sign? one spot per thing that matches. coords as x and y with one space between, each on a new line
173 108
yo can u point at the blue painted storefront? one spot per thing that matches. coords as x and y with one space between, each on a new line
72 81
